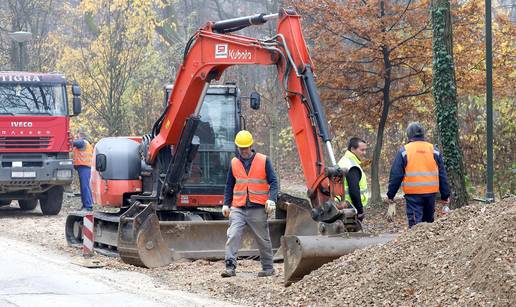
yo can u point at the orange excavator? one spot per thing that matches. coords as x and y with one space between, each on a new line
147 177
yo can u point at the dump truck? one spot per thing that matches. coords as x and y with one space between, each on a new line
35 139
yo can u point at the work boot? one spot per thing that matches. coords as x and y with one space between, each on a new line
228 272
266 273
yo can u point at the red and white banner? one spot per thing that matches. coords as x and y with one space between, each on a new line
87 235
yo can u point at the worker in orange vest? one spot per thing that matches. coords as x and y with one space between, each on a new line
419 169
250 195
82 161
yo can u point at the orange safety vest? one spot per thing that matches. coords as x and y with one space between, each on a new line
254 184
421 172
83 156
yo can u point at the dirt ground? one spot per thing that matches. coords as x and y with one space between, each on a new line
203 277
464 259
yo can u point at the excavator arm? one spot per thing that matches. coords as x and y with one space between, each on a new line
212 49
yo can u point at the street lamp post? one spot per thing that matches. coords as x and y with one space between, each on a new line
490 197
20 37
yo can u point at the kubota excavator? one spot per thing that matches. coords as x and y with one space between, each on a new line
146 176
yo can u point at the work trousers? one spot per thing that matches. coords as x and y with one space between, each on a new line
84 181
256 219
420 208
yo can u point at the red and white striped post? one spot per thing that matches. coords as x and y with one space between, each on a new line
87 235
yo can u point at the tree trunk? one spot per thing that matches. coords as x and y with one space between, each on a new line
376 197
445 96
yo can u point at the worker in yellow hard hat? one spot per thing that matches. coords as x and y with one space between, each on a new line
250 195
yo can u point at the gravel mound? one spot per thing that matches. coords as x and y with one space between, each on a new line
466 258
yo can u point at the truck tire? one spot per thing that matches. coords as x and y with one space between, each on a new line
52 202
28 204
5 203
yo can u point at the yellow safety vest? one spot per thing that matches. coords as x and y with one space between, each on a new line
348 161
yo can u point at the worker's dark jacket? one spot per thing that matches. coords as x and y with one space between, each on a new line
271 180
353 178
398 172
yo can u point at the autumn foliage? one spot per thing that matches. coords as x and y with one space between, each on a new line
373 63
370 56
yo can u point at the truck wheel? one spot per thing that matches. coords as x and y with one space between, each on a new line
52 202
5 203
28 204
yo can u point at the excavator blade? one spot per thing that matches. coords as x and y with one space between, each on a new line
303 254
139 238
203 239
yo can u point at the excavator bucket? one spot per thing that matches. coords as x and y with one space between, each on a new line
303 254
304 249
139 238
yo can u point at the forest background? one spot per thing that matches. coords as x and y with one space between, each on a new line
373 62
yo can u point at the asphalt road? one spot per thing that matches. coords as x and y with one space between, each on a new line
33 276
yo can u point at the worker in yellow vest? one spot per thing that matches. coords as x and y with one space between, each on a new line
82 161
419 169
355 183
250 195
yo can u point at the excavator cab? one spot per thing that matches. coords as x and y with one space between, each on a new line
220 120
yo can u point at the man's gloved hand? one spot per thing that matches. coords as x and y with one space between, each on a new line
225 211
270 206
391 211
445 209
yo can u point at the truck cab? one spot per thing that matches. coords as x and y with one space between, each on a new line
35 139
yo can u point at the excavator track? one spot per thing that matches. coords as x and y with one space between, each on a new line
105 231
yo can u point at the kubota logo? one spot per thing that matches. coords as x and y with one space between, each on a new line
222 51
239 55
21 124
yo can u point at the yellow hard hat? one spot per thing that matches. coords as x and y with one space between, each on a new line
244 139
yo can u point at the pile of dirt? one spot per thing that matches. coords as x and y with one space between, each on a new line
465 258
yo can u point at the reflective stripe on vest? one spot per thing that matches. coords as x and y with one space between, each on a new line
254 184
348 161
83 156
421 172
